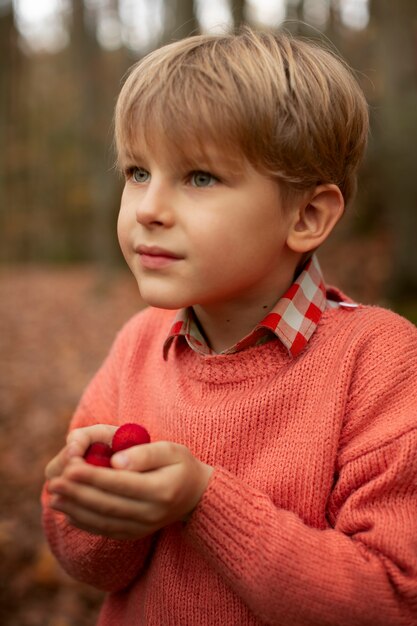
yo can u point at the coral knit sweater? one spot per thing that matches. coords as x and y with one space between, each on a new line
310 517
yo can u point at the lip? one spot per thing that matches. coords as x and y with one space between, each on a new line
154 257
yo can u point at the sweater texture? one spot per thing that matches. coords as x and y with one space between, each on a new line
310 517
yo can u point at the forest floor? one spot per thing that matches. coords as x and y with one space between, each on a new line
56 325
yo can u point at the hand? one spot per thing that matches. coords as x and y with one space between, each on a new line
78 441
150 486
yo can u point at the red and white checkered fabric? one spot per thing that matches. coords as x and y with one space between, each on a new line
293 320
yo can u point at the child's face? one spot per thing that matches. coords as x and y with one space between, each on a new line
204 235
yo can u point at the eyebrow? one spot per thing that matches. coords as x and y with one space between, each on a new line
213 160
209 158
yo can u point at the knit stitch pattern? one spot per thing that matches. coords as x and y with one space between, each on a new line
310 517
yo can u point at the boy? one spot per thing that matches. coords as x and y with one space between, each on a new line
280 485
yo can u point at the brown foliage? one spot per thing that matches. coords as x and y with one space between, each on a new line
55 328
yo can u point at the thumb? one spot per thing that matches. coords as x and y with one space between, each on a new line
149 456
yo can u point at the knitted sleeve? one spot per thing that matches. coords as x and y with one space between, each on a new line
361 569
104 563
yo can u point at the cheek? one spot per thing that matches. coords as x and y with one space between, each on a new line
120 227
123 232
223 256
247 249
230 239
127 215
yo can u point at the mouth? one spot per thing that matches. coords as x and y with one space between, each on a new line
153 257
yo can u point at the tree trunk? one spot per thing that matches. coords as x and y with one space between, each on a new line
180 20
6 108
294 17
13 98
93 136
238 12
397 46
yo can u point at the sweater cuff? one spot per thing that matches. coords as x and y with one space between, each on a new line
217 527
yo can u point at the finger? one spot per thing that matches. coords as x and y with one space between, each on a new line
78 441
57 465
149 456
125 483
101 502
83 437
98 524
149 511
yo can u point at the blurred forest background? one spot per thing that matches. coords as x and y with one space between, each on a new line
64 291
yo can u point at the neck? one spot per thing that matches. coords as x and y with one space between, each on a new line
223 325
224 328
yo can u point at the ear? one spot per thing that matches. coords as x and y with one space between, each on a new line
315 217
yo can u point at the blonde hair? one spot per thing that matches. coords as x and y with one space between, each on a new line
290 106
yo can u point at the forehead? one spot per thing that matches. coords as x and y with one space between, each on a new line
186 152
178 124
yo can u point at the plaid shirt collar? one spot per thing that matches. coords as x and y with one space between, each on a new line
293 319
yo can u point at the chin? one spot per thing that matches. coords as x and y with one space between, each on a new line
162 305
162 301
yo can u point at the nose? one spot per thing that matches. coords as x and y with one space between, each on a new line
155 206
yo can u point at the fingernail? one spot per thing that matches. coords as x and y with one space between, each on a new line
121 460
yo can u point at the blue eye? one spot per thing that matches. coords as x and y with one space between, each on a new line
202 179
139 175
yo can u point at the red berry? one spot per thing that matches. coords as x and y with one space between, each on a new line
129 435
98 454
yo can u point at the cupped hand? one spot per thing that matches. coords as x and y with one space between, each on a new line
77 443
148 487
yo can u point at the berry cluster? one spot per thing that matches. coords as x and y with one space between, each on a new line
126 436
